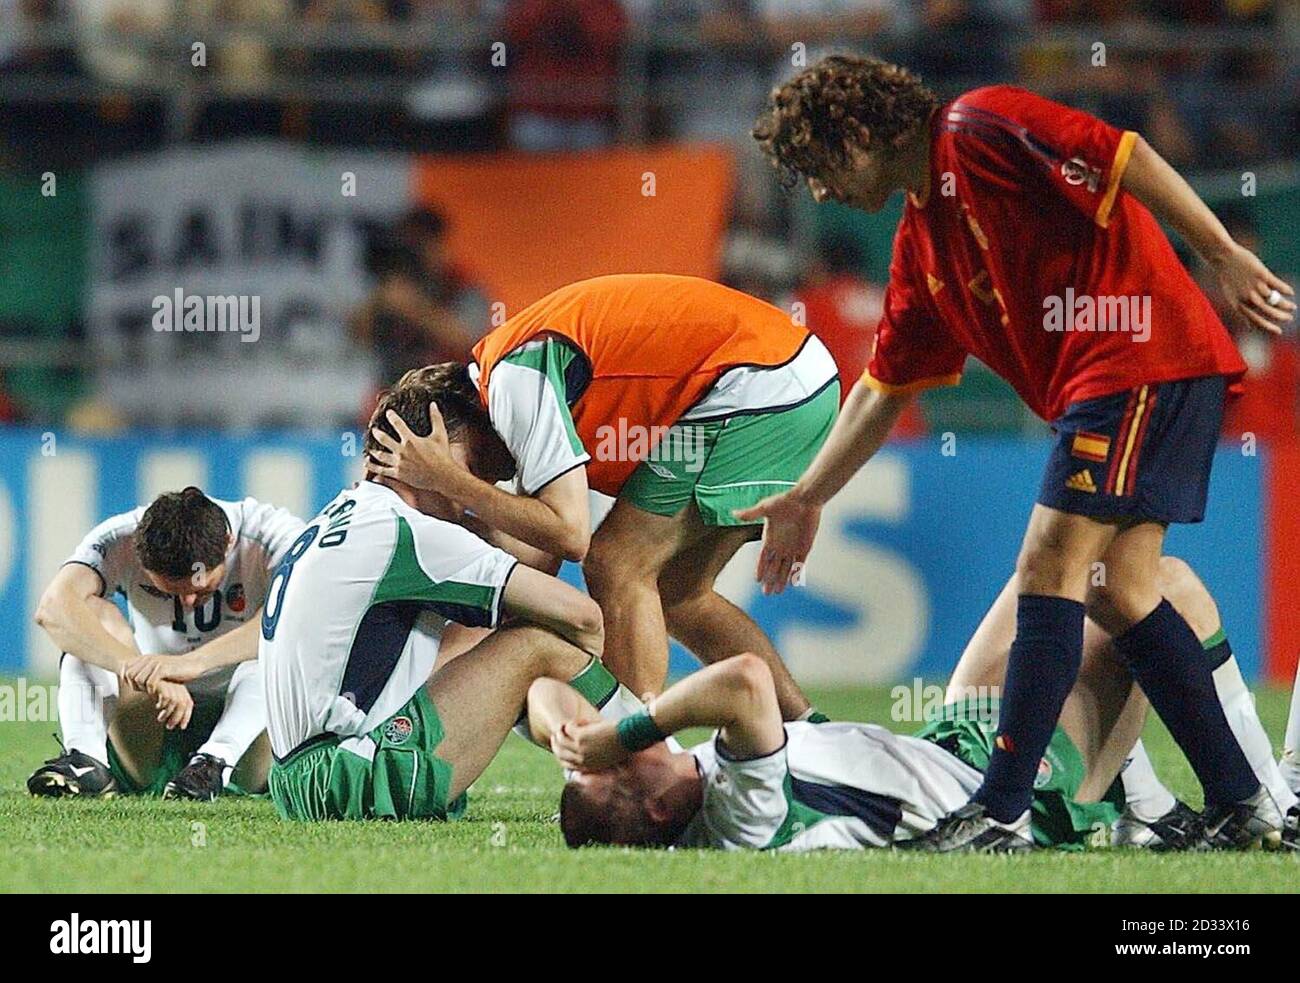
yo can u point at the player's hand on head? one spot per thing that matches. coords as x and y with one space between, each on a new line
789 529
175 705
1263 299
411 459
588 746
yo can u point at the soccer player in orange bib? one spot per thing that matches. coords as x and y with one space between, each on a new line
684 401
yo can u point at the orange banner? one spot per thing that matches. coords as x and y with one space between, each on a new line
524 225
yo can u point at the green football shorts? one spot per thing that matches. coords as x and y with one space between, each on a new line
403 779
733 462
967 730
178 747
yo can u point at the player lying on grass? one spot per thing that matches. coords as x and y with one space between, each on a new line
681 398
757 785
1152 817
167 699
361 725
1101 331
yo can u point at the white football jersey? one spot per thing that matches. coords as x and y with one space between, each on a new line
354 617
833 786
161 625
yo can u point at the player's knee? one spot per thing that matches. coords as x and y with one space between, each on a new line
750 676
1046 568
1118 607
1176 578
1178 582
606 569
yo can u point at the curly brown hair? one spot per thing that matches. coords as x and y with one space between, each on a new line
803 127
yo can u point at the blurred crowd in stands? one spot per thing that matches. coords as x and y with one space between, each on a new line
582 73
1213 84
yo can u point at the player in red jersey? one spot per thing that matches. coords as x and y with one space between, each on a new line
1029 240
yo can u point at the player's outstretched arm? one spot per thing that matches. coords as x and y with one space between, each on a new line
736 695
790 519
65 613
543 600
1254 291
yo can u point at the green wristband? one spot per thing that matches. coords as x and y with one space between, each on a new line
639 731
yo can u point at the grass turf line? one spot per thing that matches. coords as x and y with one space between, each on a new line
507 843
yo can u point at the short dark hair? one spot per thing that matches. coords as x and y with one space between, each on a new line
618 816
583 822
179 530
805 125
449 386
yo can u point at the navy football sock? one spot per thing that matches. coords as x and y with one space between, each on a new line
1042 668
1167 660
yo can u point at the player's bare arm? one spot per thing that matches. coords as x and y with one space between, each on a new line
736 695
542 600
530 555
147 671
556 520
65 612
551 705
791 518
1254 291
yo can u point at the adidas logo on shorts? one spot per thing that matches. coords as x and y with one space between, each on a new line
1082 481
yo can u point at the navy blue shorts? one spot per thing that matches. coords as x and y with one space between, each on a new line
1143 454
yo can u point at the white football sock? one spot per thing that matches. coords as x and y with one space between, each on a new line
242 719
87 697
1239 707
1144 794
1290 763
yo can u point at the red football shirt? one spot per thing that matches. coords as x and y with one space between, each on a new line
1026 246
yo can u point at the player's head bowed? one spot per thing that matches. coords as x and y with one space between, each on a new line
182 530
448 386
814 122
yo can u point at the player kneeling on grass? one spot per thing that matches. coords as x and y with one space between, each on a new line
361 725
170 700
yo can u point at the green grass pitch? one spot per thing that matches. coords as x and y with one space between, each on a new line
507 843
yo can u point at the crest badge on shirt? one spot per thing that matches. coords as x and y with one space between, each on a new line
398 730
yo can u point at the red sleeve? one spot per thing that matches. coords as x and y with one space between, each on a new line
912 350
1015 131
